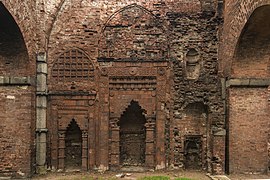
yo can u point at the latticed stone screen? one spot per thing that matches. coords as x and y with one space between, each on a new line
73 65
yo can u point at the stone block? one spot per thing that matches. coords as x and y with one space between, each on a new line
42 68
41 101
237 82
41 83
41 57
20 80
259 82
41 118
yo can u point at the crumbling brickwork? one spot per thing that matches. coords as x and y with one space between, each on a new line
111 85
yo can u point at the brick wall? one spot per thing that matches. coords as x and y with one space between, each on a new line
248 130
252 52
16 131
106 36
236 15
180 44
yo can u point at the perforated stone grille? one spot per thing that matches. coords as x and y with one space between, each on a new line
73 65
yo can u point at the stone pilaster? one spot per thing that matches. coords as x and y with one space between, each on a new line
41 112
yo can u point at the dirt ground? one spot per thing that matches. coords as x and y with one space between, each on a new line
194 175
248 176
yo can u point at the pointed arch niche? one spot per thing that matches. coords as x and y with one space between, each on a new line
133 33
132 137
72 147
73 150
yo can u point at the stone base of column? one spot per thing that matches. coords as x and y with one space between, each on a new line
41 170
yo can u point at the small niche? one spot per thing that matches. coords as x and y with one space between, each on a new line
193 67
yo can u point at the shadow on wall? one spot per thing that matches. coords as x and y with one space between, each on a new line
13 52
253 50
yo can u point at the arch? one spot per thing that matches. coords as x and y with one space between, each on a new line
192 63
235 20
13 52
252 52
196 108
73 65
133 33
132 102
193 146
25 23
131 6
132 136
73 143
60 7
196 136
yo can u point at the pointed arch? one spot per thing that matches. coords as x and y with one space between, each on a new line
132 135
133 33
235 20
73 143
25 23
132 104
252 52
133 7
60 7
73 65
13 51
73 122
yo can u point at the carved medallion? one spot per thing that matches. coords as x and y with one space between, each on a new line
161 71
104 71
133 71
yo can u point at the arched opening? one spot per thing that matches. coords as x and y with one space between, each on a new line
193 152
13 52
253 49
192 64
196 141
132 136
133 33
73 142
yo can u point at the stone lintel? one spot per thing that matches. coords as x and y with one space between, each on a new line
13 80
249 82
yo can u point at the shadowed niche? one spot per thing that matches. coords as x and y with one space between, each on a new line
132 136
73 142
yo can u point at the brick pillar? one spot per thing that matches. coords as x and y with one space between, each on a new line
160 118
41 112
61 150
103 132
150 143
160 140
84 150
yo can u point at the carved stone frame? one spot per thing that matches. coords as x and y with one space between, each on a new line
114 156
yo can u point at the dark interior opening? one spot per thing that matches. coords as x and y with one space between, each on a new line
132 136
73 142
13 51
253 48
193 152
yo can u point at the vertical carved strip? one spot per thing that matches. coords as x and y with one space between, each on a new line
61 151
115 142
150 143
84 150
